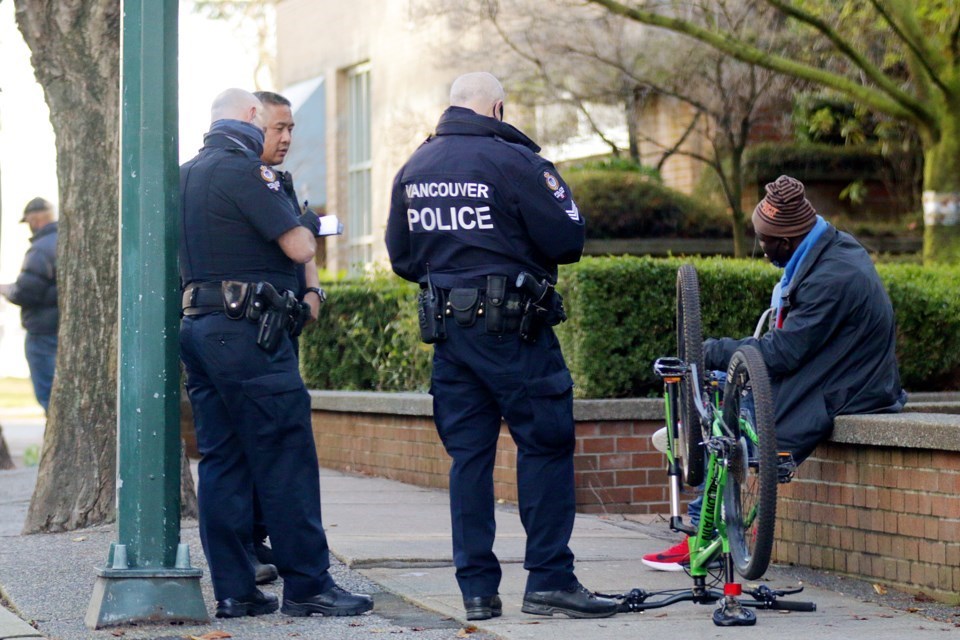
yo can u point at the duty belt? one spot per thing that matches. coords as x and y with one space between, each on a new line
276 312
201 298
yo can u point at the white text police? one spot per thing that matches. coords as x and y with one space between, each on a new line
449 218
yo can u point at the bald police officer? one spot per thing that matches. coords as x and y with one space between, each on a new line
481 222
241 239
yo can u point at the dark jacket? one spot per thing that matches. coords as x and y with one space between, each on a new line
835 352
36 288
477 200
233 209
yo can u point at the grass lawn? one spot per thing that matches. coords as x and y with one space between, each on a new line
17 393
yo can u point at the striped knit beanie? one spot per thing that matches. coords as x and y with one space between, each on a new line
784 212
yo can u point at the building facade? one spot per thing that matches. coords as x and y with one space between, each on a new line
376 75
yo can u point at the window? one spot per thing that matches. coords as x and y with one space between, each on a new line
359 210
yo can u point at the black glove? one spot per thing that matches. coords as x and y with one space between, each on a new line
311 221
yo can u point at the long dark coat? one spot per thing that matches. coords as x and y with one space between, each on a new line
835 351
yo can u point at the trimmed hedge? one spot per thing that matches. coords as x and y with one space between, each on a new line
621 318
622 315
810 162
630 204
366 339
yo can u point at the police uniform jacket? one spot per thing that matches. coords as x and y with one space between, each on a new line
475 200
835 353
233 210
35 290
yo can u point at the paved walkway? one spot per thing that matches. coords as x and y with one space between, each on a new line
394 541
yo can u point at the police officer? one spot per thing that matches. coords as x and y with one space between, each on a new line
241 240
473 210
278 134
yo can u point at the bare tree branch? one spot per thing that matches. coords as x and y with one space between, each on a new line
737 48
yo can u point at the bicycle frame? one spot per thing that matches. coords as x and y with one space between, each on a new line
709 540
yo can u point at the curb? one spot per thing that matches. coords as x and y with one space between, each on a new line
13 627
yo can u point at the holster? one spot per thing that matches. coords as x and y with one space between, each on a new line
549 312
502 310
430 316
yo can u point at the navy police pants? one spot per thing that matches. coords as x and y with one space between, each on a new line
252 416
477 378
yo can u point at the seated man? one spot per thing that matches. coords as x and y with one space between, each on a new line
831 347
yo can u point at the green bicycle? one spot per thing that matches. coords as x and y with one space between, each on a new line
724 441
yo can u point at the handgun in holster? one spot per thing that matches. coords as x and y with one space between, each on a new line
542 306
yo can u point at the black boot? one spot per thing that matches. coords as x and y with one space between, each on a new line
333 602
576 602
483 607
258 604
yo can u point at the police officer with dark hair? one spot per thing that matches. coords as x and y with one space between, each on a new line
241 239
278 134
481 222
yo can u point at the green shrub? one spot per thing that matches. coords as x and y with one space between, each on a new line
629 204
621 318
926 302
366 338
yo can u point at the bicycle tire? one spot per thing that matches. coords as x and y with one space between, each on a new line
750 495
690 350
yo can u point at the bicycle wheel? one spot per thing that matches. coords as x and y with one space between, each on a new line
750 495
690 350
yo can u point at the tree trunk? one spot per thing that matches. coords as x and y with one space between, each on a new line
75 55
188 493
941 191
6 462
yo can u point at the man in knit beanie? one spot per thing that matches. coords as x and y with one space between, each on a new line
831 349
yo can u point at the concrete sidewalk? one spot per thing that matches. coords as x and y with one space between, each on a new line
394 540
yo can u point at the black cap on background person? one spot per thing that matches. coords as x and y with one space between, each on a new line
35 205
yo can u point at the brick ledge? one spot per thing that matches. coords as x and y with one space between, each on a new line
929 424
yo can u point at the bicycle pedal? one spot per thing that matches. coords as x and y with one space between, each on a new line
786 467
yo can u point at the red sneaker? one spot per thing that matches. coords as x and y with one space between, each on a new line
669 560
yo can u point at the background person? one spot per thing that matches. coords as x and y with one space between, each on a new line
832 348
35 291
241 236
472 208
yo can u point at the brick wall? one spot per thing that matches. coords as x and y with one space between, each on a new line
886 514
617 470
879 501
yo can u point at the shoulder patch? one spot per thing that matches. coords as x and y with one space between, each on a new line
552 183
269 176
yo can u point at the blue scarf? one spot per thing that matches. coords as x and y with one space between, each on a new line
796 259
242 133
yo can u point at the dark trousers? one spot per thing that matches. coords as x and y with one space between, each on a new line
477 378
41 352
252 416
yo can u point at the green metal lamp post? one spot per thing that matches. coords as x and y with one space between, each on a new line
148 576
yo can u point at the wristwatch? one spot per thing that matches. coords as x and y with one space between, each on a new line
320 293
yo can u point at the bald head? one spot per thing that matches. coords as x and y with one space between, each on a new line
237 104
479 91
